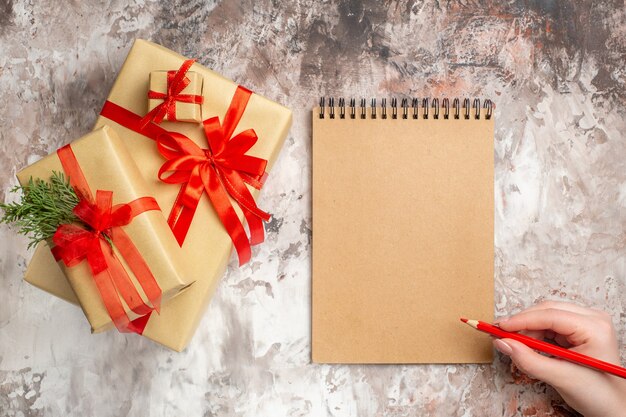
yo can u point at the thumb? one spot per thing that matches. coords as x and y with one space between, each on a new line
552 371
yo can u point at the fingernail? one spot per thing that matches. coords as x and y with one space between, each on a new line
503 347
500 320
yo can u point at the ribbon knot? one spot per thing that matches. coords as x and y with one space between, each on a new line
177 81
209 156
170 99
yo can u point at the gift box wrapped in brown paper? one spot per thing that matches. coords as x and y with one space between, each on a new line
207 246
107 165
186 111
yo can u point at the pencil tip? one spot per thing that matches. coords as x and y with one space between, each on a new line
464 320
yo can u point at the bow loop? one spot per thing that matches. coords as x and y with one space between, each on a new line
72 243
214 134
121 215
173 144
242 142
177 81
246 164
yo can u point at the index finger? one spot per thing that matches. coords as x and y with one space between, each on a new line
577 328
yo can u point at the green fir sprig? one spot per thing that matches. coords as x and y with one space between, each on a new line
44 206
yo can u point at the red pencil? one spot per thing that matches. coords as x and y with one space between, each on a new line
548 348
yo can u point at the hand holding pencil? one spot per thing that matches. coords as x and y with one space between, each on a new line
586 331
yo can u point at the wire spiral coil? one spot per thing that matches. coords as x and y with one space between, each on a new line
410 108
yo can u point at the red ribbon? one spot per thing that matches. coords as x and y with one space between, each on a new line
75 243
222 170
176 83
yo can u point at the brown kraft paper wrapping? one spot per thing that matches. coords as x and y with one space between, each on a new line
207 246
107 165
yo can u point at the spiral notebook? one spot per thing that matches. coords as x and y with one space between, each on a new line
402 231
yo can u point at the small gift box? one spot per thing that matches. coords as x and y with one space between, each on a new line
175 95
118 253
204 176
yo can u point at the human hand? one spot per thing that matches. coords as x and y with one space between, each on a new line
583 330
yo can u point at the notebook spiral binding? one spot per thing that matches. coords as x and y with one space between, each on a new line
411 111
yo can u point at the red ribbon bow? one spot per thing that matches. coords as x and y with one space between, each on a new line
176 83
222 170
75 243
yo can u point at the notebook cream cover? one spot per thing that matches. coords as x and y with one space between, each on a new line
402 238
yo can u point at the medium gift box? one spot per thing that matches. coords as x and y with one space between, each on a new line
204 176
119 257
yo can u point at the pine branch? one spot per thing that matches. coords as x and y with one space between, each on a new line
43 207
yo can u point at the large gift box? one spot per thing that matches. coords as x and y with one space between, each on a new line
204 176
123 271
